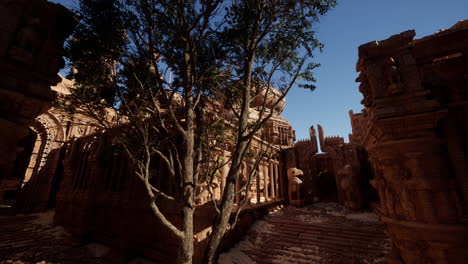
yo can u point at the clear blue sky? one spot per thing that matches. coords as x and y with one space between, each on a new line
342 30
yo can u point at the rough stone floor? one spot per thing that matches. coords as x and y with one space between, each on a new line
325 233
31 239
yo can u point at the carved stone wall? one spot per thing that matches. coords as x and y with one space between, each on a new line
415 94
84 174
304 151
98 186
35 187
32 33
340 173
278 131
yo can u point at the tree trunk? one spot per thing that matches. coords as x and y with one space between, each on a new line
188 184
186 247
185 254
221 223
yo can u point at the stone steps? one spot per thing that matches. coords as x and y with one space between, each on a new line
329 231
285 238
328 243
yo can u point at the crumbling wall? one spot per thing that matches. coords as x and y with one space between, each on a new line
415 94
32 33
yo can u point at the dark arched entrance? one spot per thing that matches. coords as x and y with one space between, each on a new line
326 186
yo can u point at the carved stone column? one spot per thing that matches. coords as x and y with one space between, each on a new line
277 180
420 202
265 180
281 180
271 177
257 187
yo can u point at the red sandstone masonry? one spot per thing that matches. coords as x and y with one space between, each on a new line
416 109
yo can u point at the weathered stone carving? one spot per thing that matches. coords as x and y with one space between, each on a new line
392 76
32 33
364 87
295 186
352 195
411 91
340 173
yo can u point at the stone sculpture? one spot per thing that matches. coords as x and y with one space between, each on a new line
295 186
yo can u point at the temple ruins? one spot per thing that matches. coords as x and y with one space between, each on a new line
413 128
406 159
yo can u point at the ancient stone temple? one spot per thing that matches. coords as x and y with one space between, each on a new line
49 159
31 48
339 173
407 156
44 167
85 176
414 129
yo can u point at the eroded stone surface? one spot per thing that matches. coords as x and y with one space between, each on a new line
32 33
340 173
29 239
322 233
416 113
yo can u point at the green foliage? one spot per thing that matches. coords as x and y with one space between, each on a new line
181 75
119 45
285 37
97 44
167 67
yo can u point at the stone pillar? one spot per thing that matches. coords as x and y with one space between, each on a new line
277 184
272 180
257 182
409 101
281 180
265 182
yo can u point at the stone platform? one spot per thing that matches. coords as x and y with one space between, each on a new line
323 234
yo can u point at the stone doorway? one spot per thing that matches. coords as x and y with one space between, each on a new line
327 190
12 180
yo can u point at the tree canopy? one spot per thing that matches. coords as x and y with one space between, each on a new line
169 69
